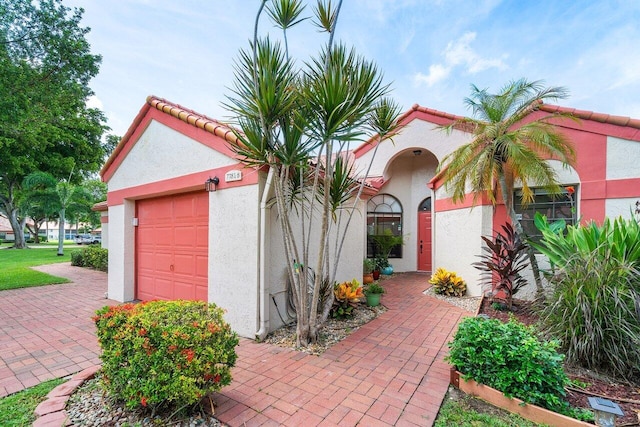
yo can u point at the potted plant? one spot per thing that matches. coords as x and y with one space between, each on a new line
384 245
368 265
373 292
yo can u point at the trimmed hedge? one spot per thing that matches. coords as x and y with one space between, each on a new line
91 256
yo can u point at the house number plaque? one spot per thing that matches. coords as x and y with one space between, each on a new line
233 175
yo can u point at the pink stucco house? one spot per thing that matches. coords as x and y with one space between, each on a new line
169 238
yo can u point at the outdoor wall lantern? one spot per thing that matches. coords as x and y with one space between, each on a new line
417 152
604 411
211 184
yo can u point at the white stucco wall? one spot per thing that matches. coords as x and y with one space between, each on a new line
622 158
620 207
457 239
121 277
105 231
233 255
163 153
349 267
416 134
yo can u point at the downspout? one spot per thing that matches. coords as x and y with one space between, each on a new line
263 298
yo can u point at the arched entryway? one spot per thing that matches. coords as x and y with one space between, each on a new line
424 235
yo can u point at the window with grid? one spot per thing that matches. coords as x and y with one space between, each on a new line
384 212
555 207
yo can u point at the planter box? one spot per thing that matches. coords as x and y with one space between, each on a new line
530 412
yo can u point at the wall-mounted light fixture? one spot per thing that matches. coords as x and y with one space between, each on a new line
417 152
211 184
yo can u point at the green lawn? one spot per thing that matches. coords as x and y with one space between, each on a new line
17 409
15 263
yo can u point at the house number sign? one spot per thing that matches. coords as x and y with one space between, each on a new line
233 175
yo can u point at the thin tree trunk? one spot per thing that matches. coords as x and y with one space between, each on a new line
507 197
61 233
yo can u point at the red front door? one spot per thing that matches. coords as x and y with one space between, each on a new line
424 241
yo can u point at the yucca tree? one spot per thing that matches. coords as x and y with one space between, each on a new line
299 122
508 148
60 196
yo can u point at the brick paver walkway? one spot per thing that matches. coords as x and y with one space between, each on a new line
46 332
389 372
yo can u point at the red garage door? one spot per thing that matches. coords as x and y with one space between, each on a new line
171 247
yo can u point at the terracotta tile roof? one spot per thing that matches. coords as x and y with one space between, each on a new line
181 113
193 118
100 206
590 115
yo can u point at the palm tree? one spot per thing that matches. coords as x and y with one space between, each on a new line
507 148
60 196
299 122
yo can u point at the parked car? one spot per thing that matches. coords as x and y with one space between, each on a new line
88 239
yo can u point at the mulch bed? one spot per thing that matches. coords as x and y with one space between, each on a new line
597 384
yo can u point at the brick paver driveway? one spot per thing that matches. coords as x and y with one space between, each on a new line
46 331
390 372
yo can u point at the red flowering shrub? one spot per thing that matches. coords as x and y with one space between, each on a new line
165 353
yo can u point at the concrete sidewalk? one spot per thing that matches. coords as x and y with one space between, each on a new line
46 332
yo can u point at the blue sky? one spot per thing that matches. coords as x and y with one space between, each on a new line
430 50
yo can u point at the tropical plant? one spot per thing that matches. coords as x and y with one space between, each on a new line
164 354
384 244
374 288
448 283
510 358
299 124
368 265
347 297
503 258
45 124
61 196
594 312
508 148
617 239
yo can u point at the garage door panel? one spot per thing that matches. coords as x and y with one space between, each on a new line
172 247
202 266
184 290
163 289
185 236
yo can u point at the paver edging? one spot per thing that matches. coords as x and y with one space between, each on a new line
50 412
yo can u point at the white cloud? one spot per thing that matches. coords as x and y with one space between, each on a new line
94 102
437 72
459 53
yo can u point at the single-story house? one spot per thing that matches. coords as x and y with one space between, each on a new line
170 238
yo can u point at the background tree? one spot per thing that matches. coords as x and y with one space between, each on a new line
507 148
63 196
45 125
300 122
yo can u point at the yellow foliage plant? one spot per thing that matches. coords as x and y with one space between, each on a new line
448 283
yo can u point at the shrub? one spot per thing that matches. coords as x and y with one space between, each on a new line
77 258
509 358
503 258
347 297
448 283
595 313
91 256
165 354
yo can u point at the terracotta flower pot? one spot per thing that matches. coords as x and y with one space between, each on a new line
367 278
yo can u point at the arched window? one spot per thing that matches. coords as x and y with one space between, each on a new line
384 212
425 206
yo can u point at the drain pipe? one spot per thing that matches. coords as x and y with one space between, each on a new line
263 300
